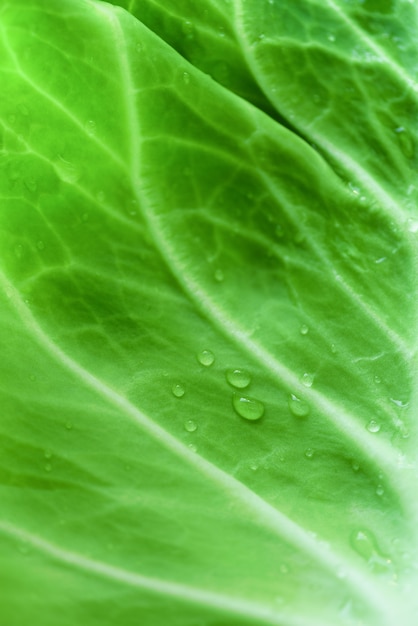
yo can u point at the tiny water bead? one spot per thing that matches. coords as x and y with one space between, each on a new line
309 453
192 447
206 358
178 391
307 379
304 329
298 407
248 408
190 426
373 426
238 378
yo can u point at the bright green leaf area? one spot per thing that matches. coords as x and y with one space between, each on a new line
208 313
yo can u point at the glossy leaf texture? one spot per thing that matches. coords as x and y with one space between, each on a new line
208 314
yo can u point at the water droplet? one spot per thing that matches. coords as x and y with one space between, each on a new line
298 407
304 329
68 425
356 466
40 245
248 408
68 172
190 426
377 380
48 467
139 47
331 37
365 544
192 447
253 466
284 569
206 358
354 189
219 275
186 78
307 379
309 453
238 378
187 28
178 391
373 426
91 127
48 454
379 490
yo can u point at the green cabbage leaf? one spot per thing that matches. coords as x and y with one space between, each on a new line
208 313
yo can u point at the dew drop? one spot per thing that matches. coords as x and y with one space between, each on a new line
178 390
248 408
206 358
238 378
356 466
304 329
90 127
331 37
373 426
190 426
48 454
379 490
365 544
192 447
253 466
40 245
68 425
309 453
187 28
307 379
377 380
298 407
67 171
48 467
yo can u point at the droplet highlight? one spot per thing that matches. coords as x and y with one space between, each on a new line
190 426
240 379
206 358
248 408
298 407
178 390
373 426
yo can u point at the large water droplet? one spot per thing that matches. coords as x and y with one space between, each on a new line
190 426
298 407
248 408
206 358
178 390
238 378
67 171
